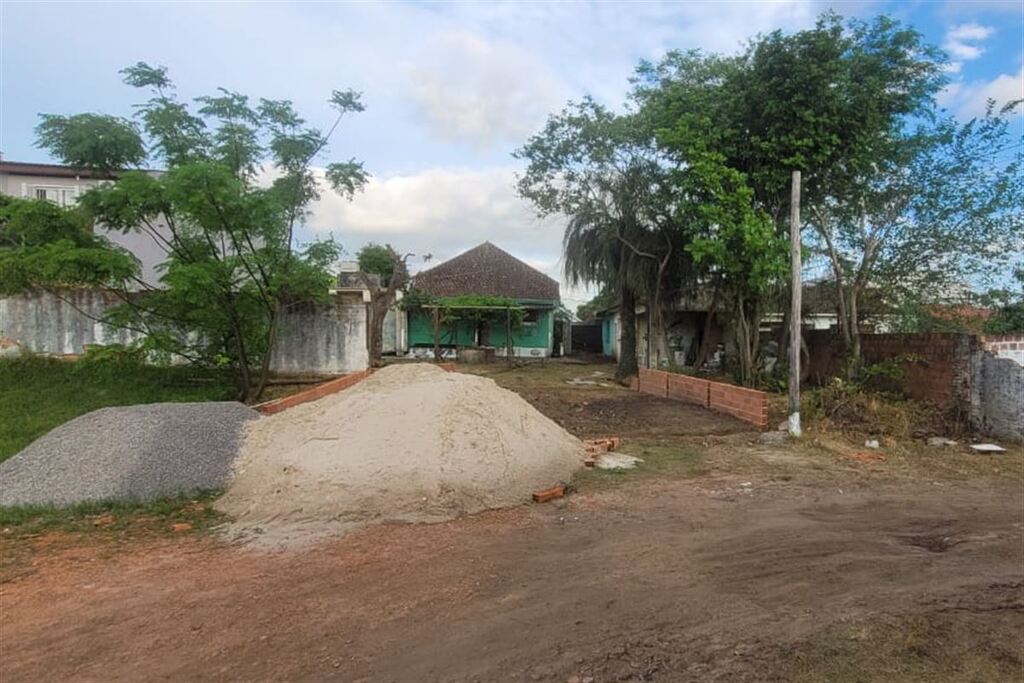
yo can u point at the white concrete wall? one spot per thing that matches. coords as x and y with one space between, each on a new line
328 340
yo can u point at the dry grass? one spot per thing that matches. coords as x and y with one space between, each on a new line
947 647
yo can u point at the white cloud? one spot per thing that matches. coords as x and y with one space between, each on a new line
969 99
963 43
482 92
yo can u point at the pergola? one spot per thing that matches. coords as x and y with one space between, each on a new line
508 308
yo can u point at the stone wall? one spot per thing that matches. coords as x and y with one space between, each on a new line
998 398
323 340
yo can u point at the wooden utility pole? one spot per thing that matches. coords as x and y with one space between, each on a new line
794 311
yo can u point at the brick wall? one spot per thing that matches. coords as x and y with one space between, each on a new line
327 388
935 370
1006 346
930 373
689 389
748 405
653 382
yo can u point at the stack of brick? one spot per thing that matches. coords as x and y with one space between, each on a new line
595 447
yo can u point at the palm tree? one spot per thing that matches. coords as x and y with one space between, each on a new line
594 254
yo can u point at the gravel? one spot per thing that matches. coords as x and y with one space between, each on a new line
134 452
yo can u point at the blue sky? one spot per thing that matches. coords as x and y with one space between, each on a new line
450 89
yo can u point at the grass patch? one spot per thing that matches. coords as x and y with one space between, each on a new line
102 529
111 515
659 460
38 393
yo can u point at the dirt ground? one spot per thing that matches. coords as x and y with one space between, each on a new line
721 559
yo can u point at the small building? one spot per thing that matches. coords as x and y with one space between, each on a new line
487 270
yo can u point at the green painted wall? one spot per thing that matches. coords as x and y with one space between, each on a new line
421 331
607 335
530 335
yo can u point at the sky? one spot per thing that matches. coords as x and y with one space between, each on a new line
451 89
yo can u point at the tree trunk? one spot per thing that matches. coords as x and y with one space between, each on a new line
855 360
705 340
627 334
378 313
271 340
748 334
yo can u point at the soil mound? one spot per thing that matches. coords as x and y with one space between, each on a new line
410 443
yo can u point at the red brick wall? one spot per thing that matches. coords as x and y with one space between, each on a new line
745 404
689 389
748 405
933 370
654 382
332 386
319 391
928 373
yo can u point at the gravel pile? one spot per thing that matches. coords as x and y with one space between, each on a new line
132 452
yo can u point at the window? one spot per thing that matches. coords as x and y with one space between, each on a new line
63 196
531 316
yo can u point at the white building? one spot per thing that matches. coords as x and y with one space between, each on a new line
64 185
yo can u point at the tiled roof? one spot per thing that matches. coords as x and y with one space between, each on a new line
486 270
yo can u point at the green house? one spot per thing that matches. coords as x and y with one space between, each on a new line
486 270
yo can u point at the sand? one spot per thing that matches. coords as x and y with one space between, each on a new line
411 443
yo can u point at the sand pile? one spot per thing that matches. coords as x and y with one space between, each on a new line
410 443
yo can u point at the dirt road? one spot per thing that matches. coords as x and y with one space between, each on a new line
708 579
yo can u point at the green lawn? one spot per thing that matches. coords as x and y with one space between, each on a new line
38 394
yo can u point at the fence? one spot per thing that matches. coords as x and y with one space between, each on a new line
318 340
748 405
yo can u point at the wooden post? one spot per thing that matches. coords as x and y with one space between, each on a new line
794 311
508 336
437 335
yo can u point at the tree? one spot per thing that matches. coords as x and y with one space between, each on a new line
384 273
939 211
602 172
45 244
735 244
232 263
851 104
106 144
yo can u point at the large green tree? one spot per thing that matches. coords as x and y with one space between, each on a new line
232 263
601 171
898 197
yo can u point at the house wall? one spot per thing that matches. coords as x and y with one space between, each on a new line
1006 346
327 340
528 340
150 255
610 335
